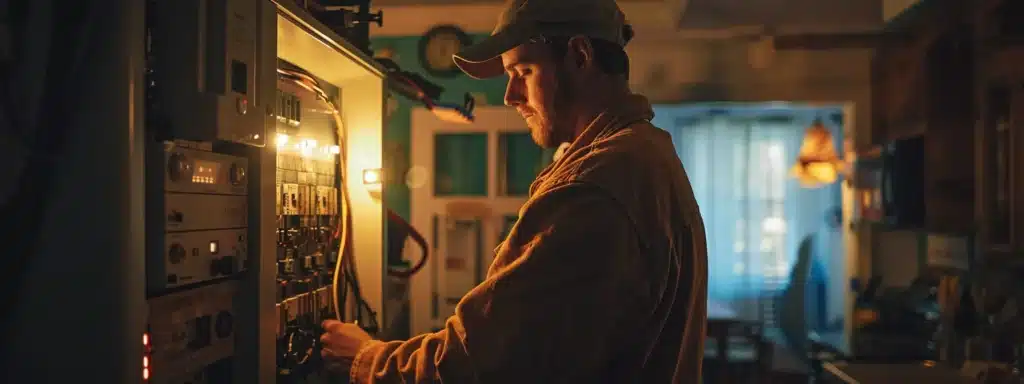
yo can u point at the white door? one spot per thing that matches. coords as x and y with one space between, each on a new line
466 191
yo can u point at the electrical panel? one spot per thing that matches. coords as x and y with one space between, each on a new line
188 332
205 62
197 246
199 229
217 132
309 214
207 112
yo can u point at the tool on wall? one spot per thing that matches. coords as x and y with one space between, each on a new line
351 19
417 88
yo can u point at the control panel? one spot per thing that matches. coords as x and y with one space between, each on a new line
202 232
188 332
309 216
208 69
224 115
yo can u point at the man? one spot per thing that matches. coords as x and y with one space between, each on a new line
604 277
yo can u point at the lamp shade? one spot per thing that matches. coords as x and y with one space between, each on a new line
817 164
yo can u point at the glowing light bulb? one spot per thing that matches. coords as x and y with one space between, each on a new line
281 140
371 176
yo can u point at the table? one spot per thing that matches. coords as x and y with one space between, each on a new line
718 311
871 373
721 320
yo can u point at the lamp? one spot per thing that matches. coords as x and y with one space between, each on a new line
372 178
373 181
818 164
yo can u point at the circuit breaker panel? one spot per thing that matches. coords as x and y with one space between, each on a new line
310 214
233 102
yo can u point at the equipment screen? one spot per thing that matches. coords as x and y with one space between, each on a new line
206 172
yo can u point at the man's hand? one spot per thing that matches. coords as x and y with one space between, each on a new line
340 344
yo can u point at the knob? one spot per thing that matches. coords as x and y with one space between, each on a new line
176 254
237 174
376 18
178 167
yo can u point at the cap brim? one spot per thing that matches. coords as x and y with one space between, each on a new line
483 59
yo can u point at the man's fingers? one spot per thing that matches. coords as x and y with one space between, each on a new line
327 354
325 339
330 325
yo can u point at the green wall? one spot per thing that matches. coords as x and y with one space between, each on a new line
396 130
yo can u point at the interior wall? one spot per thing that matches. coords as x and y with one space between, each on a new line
404 50
666 67
832 13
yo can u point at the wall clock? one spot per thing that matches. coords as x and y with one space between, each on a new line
437 47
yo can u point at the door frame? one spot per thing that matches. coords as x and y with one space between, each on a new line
424 206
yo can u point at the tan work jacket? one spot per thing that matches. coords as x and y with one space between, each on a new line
602 280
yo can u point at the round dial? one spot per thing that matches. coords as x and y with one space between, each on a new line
437 48
179 167
176 254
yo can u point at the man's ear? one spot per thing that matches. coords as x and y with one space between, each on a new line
580 52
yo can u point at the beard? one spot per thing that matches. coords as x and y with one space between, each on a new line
555 127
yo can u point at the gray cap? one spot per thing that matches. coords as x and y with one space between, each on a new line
524 20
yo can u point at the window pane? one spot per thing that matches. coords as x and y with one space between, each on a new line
519 162
768 169
460 164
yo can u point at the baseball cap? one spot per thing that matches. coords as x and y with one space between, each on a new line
523 21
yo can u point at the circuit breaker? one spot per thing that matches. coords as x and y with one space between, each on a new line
309 215
227 116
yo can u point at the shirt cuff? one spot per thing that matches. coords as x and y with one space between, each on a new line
362 364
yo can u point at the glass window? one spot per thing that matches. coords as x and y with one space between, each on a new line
460 164
519 162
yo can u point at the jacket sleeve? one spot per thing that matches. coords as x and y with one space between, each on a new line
564 291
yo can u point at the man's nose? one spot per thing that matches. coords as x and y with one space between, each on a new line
513 97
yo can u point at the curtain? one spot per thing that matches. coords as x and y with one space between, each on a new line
755 214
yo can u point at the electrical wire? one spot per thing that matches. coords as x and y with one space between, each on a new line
418 238
342 234
345 277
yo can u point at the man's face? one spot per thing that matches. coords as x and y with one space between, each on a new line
540 89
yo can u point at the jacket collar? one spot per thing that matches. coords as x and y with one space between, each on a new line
629 110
